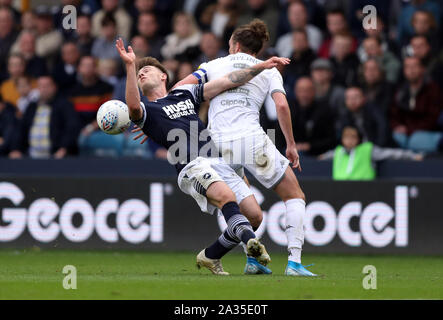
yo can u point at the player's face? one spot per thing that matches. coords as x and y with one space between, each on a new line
149 77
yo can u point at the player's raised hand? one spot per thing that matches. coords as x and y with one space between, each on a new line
128 57
292 155
141 134
276 61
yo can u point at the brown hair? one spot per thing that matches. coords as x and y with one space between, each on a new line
151 61
251 36
430 16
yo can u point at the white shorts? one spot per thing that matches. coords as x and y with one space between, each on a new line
200 173
258 154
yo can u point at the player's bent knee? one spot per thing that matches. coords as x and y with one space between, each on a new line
220 194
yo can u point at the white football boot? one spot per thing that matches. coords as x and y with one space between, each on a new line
214 265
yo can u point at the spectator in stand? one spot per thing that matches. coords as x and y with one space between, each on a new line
147 27
220 18
184 70
387 44
16 69
420 47
104 45
88 94
107 70
49 126
355 159
83 7
35 66
415 110
65 71
424 24
163 10
356 15
28 95
48 39
8 35
327 92
312 122
336 24
15 13
122 18
28 21
344 60
377 90
298 19
369 120
301 58
183 43
140 46
390 64
83 35
405 27
263 10
8 123
138 8
210 48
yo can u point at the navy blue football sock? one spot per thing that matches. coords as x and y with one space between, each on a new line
220 247
239 227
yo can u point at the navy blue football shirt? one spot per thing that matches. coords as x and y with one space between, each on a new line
173 122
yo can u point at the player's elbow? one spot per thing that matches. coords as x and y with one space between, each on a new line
282 107
135 112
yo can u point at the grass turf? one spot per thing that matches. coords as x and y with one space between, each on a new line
30 274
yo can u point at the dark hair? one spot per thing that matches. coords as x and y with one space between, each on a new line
84 15
251 36
336 11
151 61
430 16
354 127
377 39
421 36
420 62
108 19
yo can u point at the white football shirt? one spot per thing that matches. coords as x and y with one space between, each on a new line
236 113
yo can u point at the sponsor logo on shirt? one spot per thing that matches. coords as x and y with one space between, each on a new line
181 109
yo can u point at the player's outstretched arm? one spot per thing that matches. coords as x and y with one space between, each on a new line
240 77
132 94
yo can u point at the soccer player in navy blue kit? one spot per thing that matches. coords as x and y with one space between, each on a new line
202 173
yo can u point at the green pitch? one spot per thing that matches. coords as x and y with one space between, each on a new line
30 274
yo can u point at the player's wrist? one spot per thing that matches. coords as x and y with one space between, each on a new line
130 64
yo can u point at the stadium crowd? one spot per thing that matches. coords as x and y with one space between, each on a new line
387 82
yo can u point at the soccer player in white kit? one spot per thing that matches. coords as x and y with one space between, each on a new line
233 122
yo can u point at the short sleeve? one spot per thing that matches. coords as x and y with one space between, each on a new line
196 91
141 122
276 83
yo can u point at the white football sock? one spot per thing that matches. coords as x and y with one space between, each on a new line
295 211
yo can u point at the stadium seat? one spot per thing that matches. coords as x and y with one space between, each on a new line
100 144
133 148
